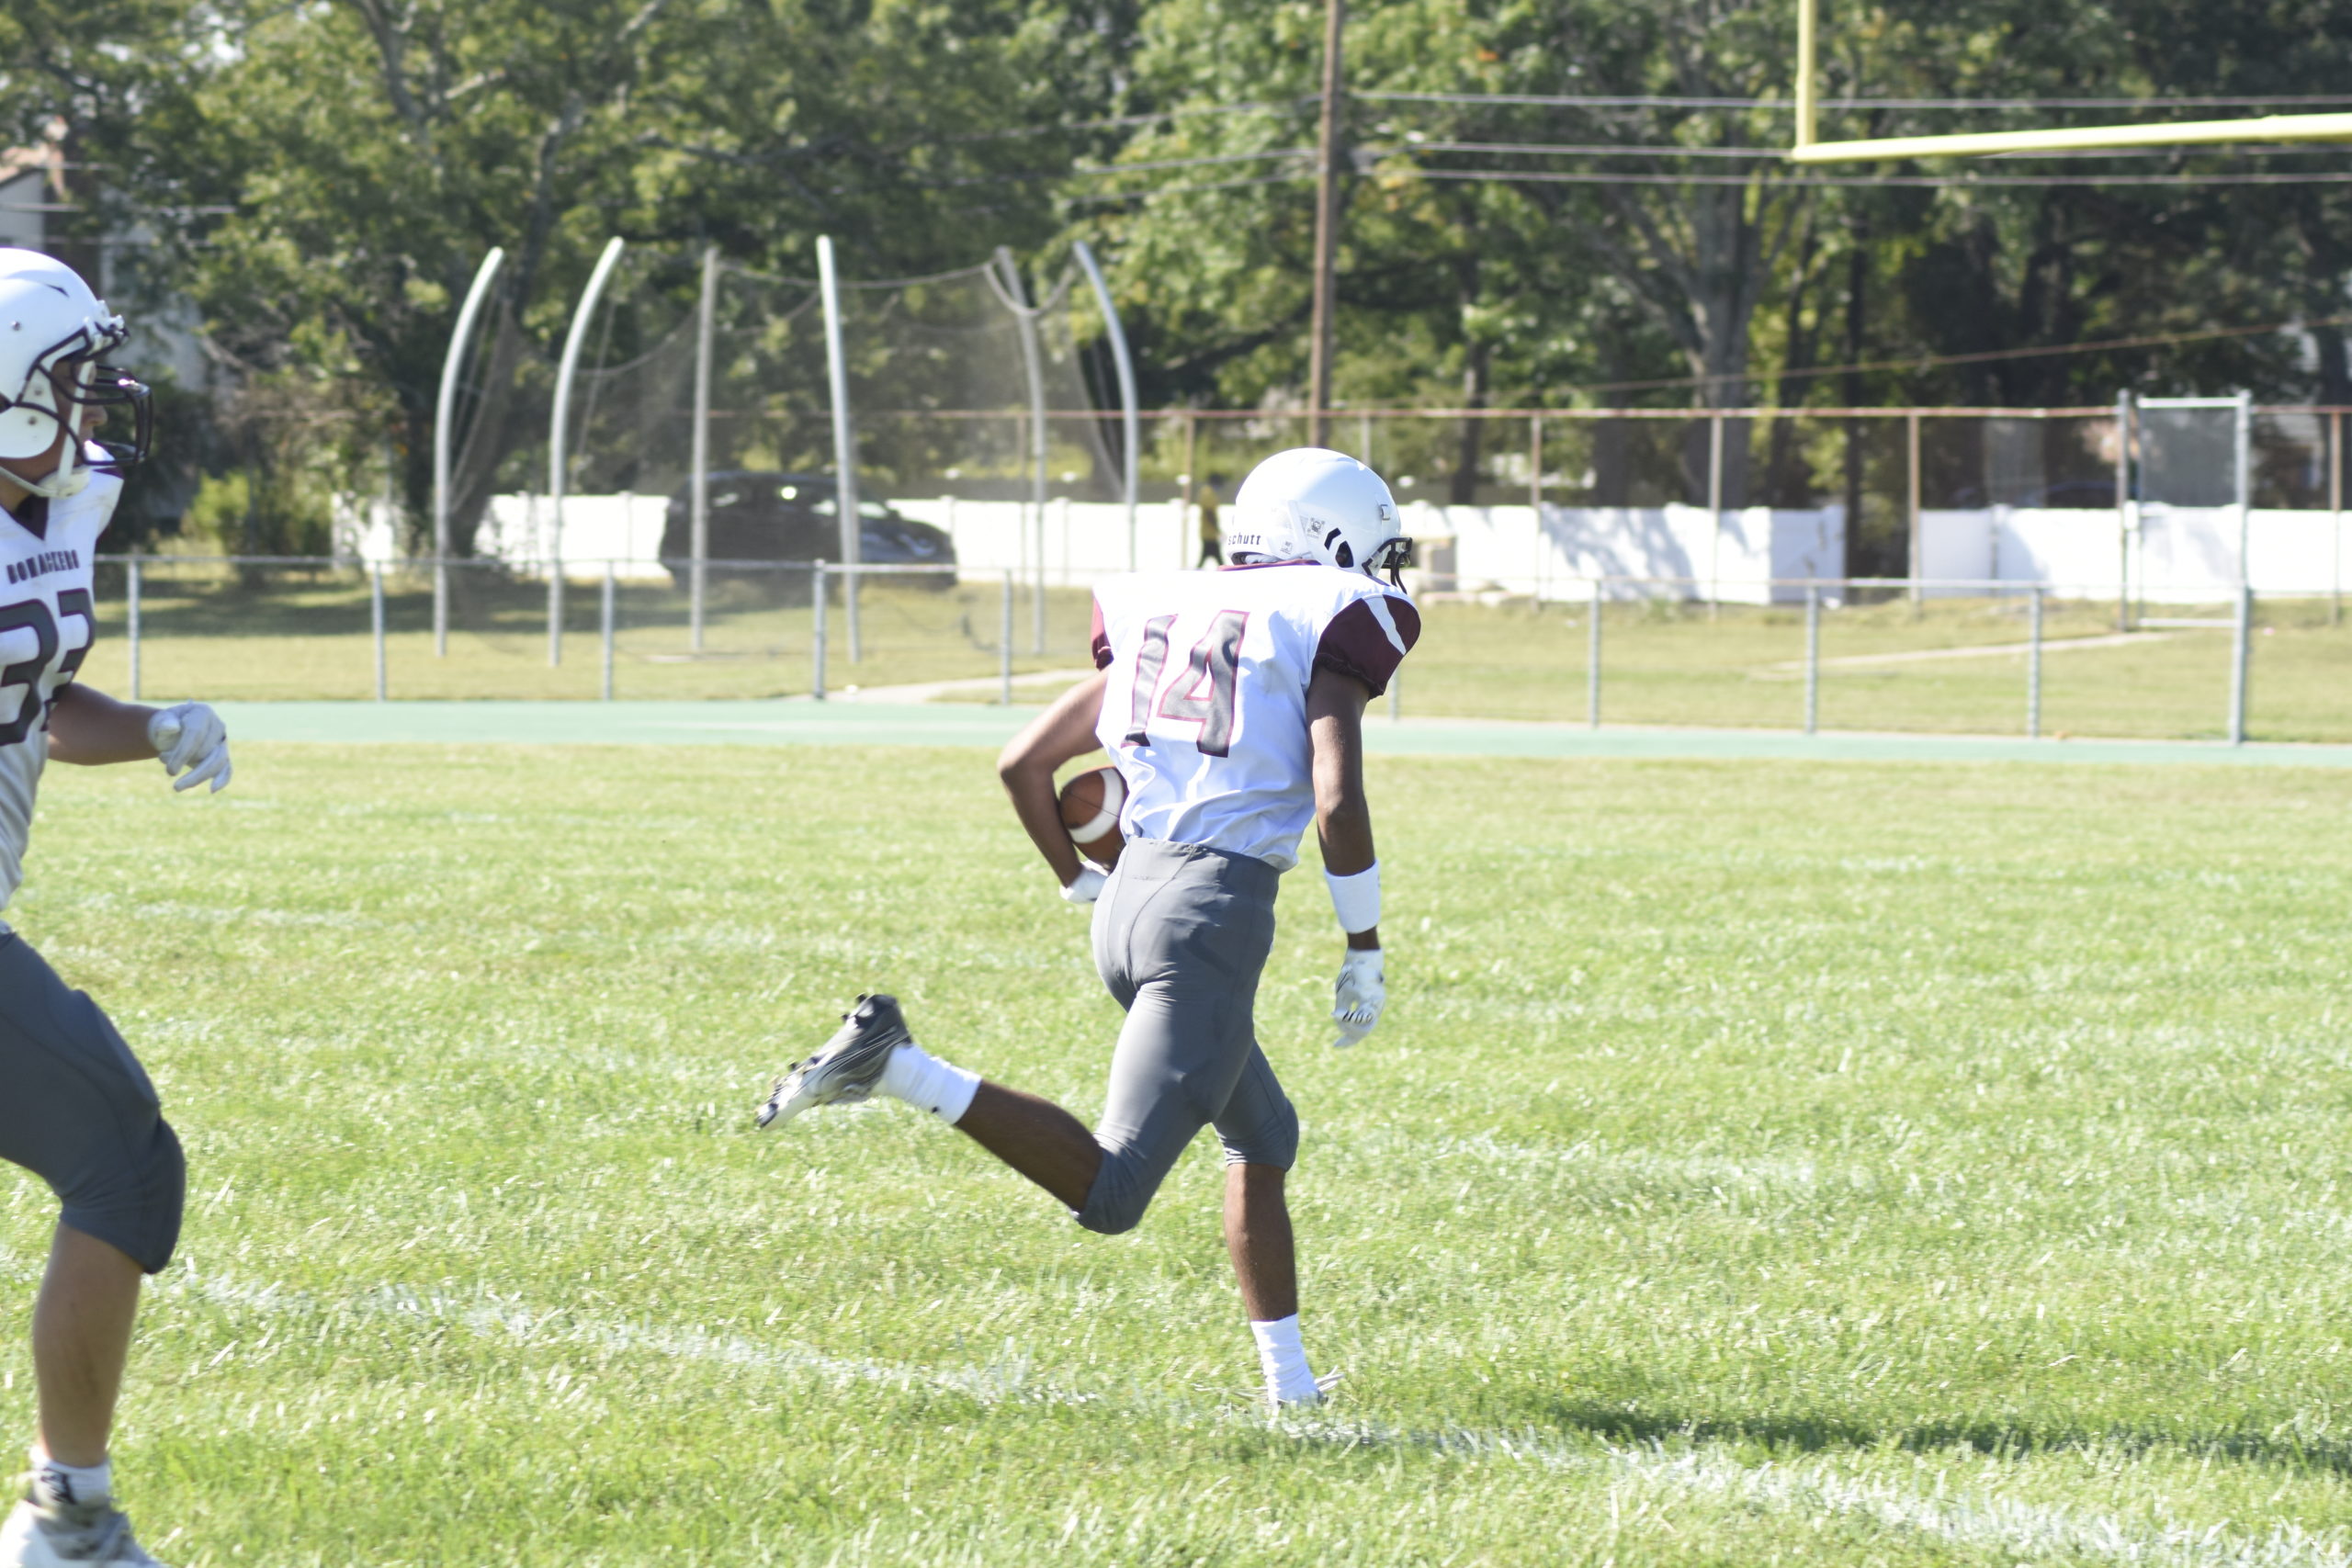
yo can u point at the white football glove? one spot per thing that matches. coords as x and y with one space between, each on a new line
1087 886
191 736
1359 996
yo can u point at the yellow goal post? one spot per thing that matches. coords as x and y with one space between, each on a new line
2179 133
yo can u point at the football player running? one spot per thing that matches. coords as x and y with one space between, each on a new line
1232 703
78 1110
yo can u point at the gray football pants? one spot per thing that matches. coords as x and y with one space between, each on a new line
1180 934
77 1111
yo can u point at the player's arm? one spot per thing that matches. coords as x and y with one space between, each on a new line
1335 703
88 727
1027 765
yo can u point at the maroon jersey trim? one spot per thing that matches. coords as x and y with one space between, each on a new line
1355 643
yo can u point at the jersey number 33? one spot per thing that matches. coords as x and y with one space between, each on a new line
32 678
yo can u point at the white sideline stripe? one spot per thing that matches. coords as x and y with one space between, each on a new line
932 691
1980 651
1807 1487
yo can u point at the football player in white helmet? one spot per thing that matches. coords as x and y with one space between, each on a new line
77 1110
1326 506
1232 703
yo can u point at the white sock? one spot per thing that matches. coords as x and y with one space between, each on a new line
71 1485
925 1082
1289 1381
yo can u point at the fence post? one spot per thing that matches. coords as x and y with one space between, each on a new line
699 496
1004 642
1592 663
1812 656
2033 668
2240 654
2335 518
375 620
817 631
606 628
1918 552
133 606
1715 515
1192 481
555 610
2123 511
1395 697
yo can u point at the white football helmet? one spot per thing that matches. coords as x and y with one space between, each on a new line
52 330
1310 504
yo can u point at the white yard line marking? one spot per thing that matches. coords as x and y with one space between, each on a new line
1810 1487
932 691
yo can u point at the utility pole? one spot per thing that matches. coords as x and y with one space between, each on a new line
1326 230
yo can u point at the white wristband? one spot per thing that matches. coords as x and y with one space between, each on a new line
1356 899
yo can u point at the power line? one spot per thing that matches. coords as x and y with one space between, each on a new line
1187 189
1194 162
1571 150
1585 150
1929 361
1929 181
1782 106
1114 122
1530 176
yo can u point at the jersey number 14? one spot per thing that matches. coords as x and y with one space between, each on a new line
1203 693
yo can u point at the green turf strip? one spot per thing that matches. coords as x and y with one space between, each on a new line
1819 1162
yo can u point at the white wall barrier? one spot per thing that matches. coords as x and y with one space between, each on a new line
1512 549
1083 539
2180 555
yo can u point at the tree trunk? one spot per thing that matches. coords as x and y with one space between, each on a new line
1463 488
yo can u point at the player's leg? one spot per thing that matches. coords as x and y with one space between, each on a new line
1181 936
81 1339
873 1053
1035 1137
81 1114
1259 1131
1258 1238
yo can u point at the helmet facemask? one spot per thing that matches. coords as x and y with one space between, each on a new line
1392 556
68 383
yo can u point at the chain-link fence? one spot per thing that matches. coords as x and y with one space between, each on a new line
1953 656
949 457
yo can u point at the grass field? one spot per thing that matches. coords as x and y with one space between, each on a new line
1762 1163
1662 664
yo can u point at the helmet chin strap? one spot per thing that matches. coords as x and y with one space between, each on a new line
71 479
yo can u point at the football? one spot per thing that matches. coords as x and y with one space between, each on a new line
1090 804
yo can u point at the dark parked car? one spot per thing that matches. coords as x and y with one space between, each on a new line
756 516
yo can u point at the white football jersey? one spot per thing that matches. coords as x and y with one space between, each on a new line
1206 710
48 621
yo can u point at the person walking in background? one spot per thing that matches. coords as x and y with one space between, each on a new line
1212 498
